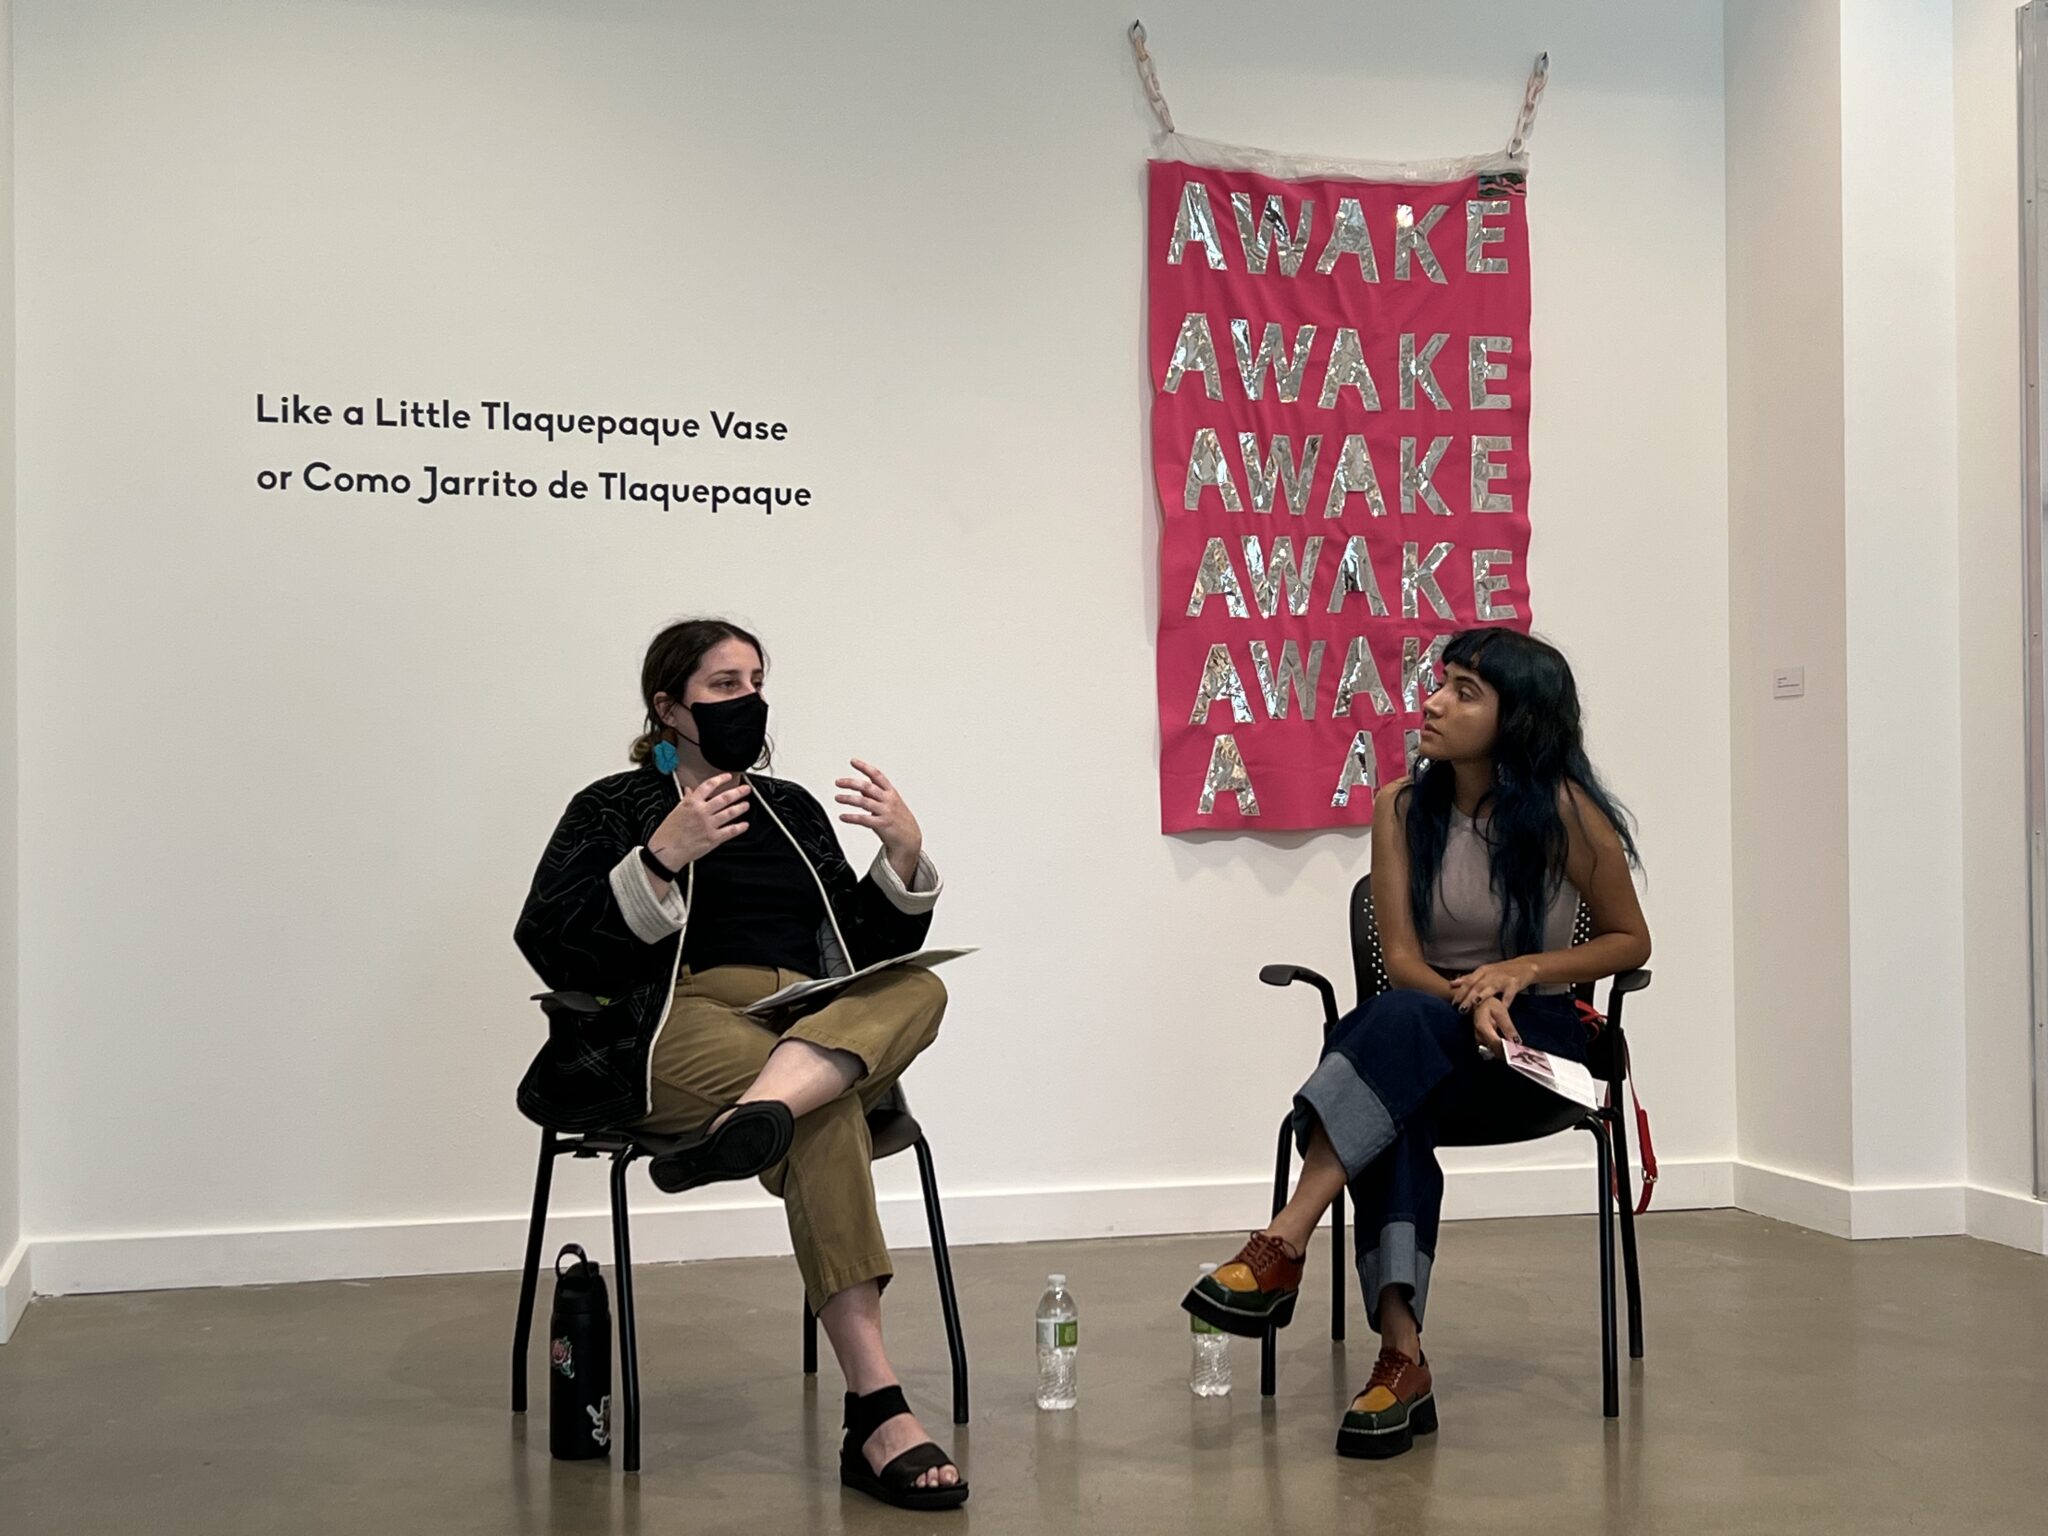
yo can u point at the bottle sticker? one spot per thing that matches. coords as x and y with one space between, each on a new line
601 1420
560 1356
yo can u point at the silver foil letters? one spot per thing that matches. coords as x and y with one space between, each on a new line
1291 676
1485 471
1272 354
1415 476
1347 366
1485 585
1479 234
1195 221
1349 237
1220 680
1194 351
1278 472
1260 236
1206 467
1360 768
1411 238
1227 775
1481 370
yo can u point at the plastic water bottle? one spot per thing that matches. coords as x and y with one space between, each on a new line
1059 1339
1209 1376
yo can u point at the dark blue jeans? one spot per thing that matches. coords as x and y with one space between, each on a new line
1401 1077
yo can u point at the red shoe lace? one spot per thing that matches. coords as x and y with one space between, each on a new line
1387 1371
1263 1249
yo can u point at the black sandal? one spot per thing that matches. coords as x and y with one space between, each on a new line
897 1482
750 1141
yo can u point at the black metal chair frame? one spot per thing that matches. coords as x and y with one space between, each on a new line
1607 1127
891 1129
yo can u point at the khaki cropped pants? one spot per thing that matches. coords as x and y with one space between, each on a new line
709 1052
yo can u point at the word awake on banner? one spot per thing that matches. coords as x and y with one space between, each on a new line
1339 434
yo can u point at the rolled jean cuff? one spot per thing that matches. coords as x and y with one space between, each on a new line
1395 1260
1352 1116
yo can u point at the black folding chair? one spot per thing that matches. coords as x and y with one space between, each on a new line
1608 1060
891 1129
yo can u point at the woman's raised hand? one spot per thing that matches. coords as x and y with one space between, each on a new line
878 807
706 817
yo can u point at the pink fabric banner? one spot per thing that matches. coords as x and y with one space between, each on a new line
1340 412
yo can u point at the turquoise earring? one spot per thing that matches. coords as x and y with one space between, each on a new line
665 757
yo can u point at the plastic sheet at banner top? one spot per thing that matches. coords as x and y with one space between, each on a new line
1340 413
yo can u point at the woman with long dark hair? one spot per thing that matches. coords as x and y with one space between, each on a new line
1479 865
684 891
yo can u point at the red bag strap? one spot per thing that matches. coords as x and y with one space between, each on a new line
1597 1021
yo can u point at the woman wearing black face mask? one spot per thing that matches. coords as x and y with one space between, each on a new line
691 887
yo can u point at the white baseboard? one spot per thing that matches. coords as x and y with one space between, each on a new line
1842 1210
1930 1210
14 1290
2017 1221
1802 1200
1875 1211
752 1225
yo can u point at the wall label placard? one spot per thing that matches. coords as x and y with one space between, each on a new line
431 484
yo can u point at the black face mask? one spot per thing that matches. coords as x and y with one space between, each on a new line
731 732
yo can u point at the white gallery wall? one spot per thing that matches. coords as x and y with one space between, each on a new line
1875 538
287 758
14 1271
1991 496
1787 593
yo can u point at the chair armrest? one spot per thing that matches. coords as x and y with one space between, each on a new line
1617 994
562 1010
572 1002
1286 975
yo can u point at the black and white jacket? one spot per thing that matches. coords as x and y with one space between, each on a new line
591 924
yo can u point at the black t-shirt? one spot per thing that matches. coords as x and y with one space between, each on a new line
754 902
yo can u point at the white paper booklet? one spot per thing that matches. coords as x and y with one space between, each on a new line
1560 1074
804 991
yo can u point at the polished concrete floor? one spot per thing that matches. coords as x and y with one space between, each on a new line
1794 1383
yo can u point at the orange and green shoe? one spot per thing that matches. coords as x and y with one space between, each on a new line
1253 1292
1398 1404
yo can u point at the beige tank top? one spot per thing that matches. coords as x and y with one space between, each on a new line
1466 932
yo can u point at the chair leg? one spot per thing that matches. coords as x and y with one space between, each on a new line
810 1339
942 1262
1610 1386
529 1277
629 1343
1337 1285
1269 1341
1629 1271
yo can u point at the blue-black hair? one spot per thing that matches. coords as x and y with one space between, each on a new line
1539 750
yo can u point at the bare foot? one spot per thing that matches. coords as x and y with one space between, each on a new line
898 1435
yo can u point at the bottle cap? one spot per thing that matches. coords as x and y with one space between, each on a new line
1208 1269
1057 1282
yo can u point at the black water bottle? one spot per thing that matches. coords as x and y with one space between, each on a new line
579 1361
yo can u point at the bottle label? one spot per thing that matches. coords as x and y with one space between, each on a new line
1202 1327
1057 1335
